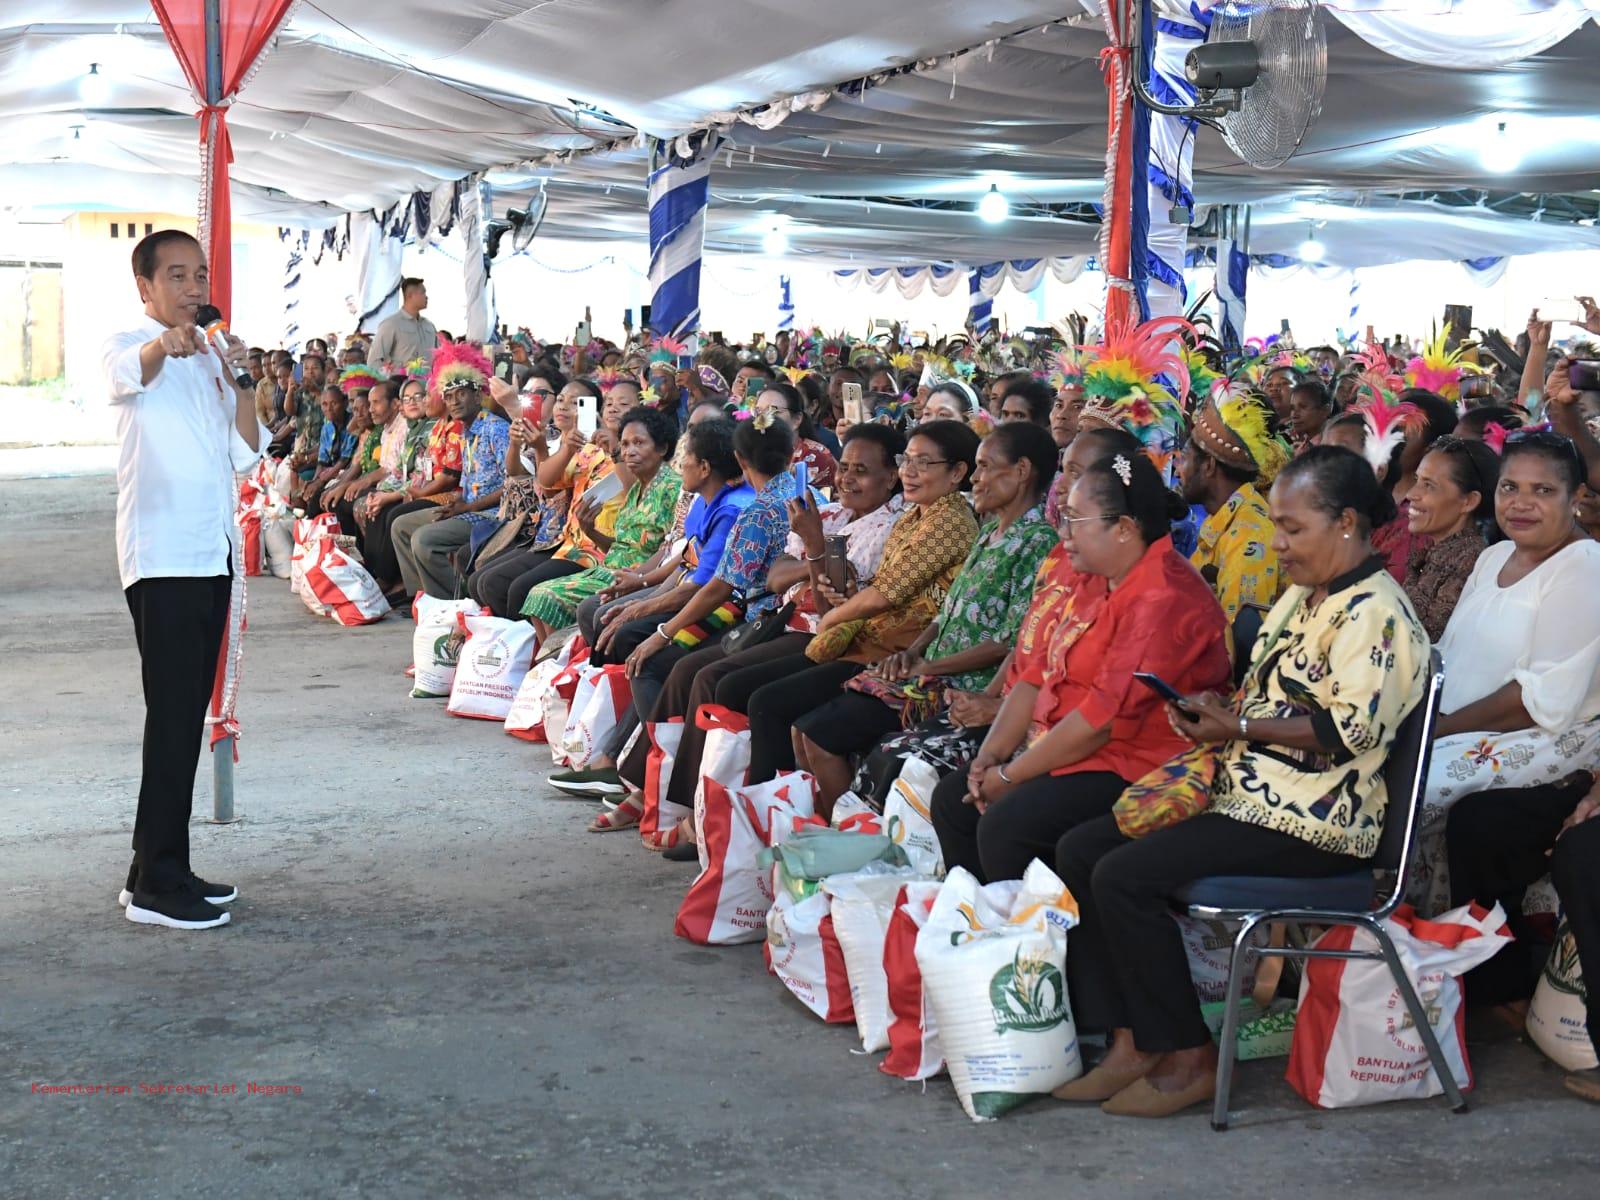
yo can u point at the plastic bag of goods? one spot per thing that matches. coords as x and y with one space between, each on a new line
343 586
915 1051
994 971
1558 1018
1209 946
861 904
728 901
660 814
601 698
490 667
724 757
907 816
277 540
1261 1032
308 531
1354 1039
436 644
803 951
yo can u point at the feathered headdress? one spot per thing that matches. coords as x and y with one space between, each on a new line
1233 428
1437 369
1123 375
609 377
1494 436
358 379
459 365
417 368
1066 367
796 374
1386 429
901 362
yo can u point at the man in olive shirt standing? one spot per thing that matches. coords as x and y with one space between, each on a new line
406 335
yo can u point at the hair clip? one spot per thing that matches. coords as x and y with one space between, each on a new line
1124 470
763 419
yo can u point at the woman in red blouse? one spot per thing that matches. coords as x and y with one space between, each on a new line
785 400
1077 728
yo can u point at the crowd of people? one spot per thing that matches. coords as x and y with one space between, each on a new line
972 551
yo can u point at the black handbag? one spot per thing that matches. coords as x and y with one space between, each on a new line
763 629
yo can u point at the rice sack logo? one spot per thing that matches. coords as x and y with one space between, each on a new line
1028 995
447 649
1562 971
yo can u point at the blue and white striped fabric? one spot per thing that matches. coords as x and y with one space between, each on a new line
785 305
1233 275
1171 168
680 188
980 308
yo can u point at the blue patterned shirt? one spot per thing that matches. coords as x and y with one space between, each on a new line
754 543
337 444
483 461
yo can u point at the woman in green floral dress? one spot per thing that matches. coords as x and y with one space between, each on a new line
648 438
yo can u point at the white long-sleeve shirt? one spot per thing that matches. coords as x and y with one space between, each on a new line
176 491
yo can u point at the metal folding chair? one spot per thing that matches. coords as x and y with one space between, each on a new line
1355 899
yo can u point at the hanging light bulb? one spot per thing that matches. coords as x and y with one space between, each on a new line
994 207
775 242
1498 152
94 89
1311 250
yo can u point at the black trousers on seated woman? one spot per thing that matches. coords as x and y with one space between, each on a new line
1502 840
1026 824
775 708
377 542
1126 966
503 583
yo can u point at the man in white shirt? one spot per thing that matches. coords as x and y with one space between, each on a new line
407 335
185 427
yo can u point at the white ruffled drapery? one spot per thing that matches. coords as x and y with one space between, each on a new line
1481 34
944 279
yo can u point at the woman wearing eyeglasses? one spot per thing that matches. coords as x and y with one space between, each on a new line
1076 727
1521 703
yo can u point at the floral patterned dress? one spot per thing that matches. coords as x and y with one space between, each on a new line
642 523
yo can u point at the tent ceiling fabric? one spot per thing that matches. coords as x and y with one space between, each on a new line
359 105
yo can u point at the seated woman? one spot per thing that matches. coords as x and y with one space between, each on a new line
1451 502
869 505
576 465
927 546
949 742
1395 541
1521 702
737 592
951 401
1310 407
784 400
648 440
1499 843
1077 728
1296 786
976 626
435 480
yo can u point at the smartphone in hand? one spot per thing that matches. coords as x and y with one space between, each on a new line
1166 691
836 563
802 484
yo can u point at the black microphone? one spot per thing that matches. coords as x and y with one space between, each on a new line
209 318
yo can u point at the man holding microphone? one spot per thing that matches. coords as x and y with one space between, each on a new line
185 425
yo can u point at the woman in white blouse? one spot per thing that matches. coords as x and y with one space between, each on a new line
1521 701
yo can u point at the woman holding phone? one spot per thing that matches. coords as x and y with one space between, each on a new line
784 400
1076 728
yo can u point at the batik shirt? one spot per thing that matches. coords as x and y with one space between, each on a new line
483 461
336 444
755 541
1235 555
991 592
443 453
366 457
1354 663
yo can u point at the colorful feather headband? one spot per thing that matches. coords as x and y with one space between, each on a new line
1439 370
358 379
1386 429
457 366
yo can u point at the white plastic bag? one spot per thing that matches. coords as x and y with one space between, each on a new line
308 532
1209 945
915 1051
803 952
343 587
861 903
1354 1040
660 814
436 644
490 668
277 540
724 757
728 901
994 970
603 694
907 816
525 719
1558 1018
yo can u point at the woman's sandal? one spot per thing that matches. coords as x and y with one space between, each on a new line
659 840
624 816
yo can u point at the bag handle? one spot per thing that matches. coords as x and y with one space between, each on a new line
717 716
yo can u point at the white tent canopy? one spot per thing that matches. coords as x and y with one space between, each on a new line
357 106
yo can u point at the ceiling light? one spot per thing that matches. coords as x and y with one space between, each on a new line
1311 250
94 89
775 242
1499 152
994 207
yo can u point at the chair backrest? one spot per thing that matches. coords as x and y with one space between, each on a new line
1246 628
1405 776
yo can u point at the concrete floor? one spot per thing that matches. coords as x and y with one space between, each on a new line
477 998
